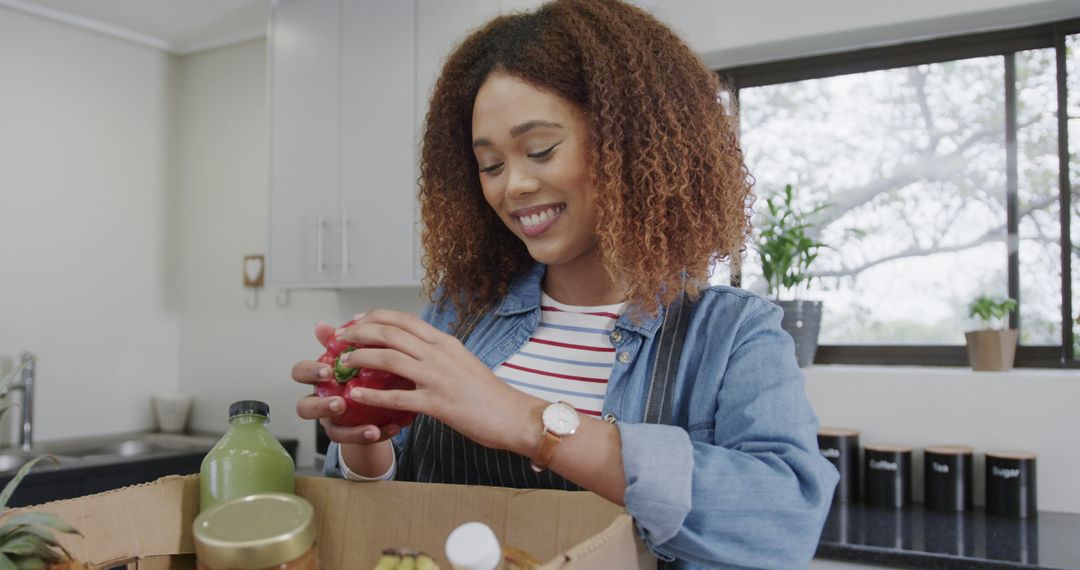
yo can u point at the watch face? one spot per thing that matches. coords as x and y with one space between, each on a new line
561 419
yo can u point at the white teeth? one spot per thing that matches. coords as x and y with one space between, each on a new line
537 219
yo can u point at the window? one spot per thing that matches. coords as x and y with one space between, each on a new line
941 177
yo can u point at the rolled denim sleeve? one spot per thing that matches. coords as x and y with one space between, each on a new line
751 491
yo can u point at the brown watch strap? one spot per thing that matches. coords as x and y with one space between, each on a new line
544 451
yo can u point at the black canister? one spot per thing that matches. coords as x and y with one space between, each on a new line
1010 484
841 447
948 477
887 475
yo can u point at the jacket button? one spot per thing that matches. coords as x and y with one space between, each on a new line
624 357
610 418
616 336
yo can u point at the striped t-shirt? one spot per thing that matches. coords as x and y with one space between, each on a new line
569 357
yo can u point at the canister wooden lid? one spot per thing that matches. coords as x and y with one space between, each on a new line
888 447
1011 454
950 449
837 432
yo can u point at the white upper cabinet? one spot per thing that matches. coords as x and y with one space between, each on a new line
303 78
378 185
349 83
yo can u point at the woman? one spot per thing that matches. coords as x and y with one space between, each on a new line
579 180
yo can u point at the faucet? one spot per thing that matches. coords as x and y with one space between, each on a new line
26 410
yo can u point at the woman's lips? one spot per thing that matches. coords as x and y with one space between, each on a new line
537 224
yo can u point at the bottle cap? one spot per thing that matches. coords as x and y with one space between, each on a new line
244 407
256 531
473 546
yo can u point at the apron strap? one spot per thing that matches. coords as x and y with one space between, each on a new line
662 384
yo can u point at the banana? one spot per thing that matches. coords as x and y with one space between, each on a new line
425 562
408 562
389 560
405 559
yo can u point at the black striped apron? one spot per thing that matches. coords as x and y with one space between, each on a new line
436 453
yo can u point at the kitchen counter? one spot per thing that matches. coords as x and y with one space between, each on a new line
916 537
119 460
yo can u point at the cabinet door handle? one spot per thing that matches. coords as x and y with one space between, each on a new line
319 244
344 243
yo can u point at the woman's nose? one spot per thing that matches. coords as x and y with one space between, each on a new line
520 182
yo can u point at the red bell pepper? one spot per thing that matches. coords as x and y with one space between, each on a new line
344 379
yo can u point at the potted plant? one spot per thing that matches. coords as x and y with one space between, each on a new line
993 347
787 251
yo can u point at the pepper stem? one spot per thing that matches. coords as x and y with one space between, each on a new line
343 373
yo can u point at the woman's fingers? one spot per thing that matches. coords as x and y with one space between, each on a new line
323 332
407 322
410 400
358 434
310 372
389 336
388 360
316 407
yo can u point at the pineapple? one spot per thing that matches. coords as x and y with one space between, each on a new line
27 540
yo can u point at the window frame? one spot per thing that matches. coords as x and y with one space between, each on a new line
1005 43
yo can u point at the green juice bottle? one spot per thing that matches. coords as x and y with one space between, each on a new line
247 460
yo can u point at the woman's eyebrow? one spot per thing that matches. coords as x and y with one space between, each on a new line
520 130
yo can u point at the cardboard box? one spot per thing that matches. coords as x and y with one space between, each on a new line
148 527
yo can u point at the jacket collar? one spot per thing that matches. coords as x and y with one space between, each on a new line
524 296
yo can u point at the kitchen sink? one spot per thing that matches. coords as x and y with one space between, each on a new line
131 446
12 460
126 448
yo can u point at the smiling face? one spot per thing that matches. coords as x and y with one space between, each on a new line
531 148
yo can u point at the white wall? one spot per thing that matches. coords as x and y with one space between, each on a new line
228 352
85 253
1023 409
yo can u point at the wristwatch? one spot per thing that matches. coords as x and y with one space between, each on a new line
560 420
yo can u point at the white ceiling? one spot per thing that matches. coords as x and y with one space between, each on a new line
176 26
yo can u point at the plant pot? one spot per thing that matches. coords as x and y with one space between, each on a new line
802 320
992 350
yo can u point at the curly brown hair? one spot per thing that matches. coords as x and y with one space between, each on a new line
673 192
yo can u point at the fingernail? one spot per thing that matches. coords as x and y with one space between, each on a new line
358 316
336 405
356 393
324 372
372 434
343 358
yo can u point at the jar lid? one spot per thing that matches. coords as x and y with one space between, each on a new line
950 449
1012 454
473 546
888 447
837 431
244 407
256 531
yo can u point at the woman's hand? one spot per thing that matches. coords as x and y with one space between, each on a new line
452 385
325 409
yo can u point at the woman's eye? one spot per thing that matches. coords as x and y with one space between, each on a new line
544 153
491 169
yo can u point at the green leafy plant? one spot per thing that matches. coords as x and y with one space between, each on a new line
991 309
784 244
28 540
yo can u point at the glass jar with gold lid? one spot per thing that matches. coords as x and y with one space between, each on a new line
267 531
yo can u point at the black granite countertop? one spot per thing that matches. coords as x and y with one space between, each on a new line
916 537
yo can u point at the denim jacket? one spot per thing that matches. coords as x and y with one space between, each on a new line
737 481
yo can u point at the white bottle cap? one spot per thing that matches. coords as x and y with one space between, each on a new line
473 546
